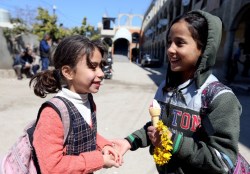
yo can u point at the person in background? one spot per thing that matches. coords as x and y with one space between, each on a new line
192 43
44 48
17 64
233 64
246 66
36 61
77 74
27 60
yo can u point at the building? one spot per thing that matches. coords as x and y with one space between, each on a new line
5 19
123 39
234 14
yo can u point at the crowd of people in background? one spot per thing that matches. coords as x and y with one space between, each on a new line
31 60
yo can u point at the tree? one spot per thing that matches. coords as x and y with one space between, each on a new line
45 24
85 30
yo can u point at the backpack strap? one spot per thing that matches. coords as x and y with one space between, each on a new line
58 104
207 96
61 108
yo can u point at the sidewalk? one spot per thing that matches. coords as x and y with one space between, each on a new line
7 73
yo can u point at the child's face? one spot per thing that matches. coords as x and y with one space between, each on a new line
182 50
85 79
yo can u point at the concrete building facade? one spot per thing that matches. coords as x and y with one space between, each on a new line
234 14
123 39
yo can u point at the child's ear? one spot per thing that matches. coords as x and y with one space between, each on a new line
67 72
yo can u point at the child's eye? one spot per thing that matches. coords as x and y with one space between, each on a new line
180 43
92 65
169 43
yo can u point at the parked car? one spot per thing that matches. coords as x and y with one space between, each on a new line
147 60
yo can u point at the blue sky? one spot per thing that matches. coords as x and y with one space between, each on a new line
71 12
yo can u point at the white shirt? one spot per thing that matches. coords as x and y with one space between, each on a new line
80 101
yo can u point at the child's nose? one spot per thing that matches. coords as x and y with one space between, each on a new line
171 49
100 73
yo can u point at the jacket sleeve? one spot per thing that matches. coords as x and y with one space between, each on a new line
139 138
224 115
48 145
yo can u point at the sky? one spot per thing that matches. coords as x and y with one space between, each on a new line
71 12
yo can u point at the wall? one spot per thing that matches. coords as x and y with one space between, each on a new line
6 59
5 56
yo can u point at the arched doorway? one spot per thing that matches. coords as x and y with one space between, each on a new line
121 47
122 40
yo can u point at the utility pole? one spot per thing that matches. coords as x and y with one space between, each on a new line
54 10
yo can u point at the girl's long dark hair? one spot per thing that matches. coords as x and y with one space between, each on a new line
69 51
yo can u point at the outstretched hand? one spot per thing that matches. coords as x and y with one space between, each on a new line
121 145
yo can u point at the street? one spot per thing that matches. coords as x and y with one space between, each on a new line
122 107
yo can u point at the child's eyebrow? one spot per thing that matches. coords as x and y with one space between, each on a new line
94 64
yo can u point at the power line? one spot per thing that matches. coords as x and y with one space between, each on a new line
68 19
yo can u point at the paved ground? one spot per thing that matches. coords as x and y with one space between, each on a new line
122 107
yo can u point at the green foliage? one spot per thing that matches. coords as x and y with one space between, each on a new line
86 30
96 36
45 24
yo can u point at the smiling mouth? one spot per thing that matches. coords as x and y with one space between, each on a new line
174 60
97 83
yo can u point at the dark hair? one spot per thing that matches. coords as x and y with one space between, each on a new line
198 27
69 51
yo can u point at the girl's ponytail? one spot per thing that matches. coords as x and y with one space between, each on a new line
46 82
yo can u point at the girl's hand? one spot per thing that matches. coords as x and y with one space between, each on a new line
154 135
121 145
109 161
109 150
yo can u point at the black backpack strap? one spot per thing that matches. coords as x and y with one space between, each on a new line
207 96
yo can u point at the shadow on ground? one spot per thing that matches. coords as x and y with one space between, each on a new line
156 74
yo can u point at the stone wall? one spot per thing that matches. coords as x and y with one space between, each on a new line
5 56
6 59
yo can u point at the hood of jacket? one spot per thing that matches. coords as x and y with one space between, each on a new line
208 58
